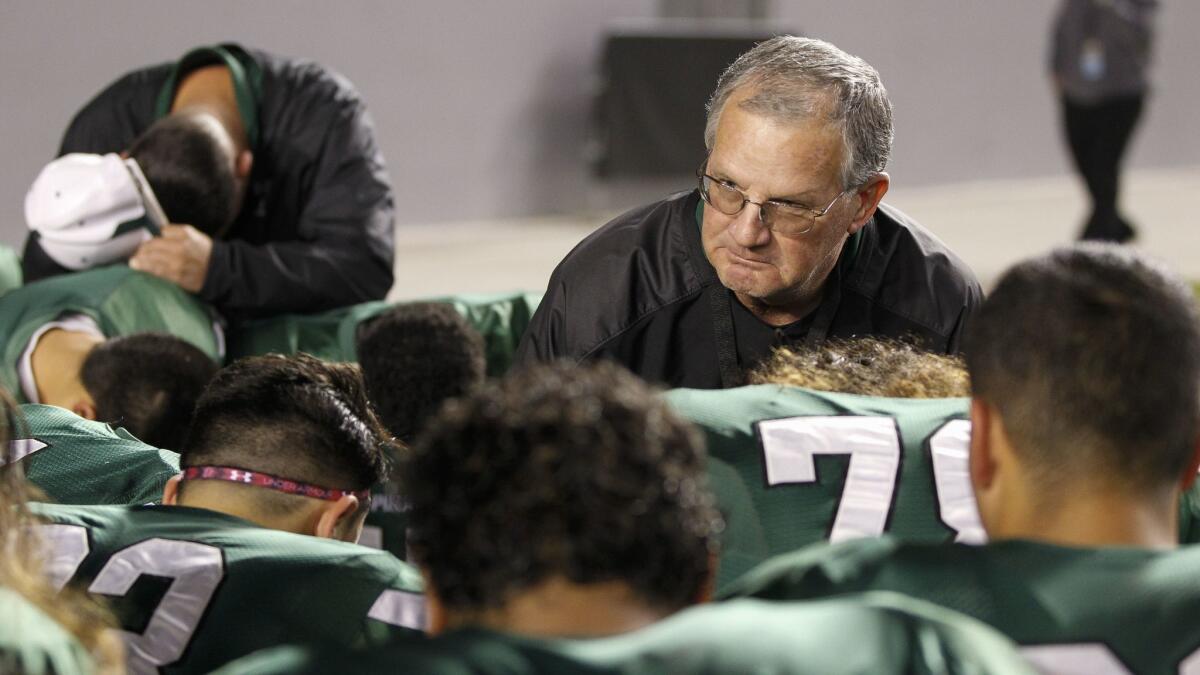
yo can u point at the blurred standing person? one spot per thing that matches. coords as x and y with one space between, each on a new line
1100 59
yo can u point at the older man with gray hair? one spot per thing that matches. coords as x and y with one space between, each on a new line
783 241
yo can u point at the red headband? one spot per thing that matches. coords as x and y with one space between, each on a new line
228 473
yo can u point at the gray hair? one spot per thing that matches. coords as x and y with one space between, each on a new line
797 79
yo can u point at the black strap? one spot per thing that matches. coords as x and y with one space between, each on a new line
722 316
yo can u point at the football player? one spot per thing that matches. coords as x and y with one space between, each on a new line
569 502
251 547
113 345
41 632
1085 367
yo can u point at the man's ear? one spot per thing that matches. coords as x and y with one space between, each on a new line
243 164
435 611
171 490
981 462
866 199
332 523
85 408
1193 466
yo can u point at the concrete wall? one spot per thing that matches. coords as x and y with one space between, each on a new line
482 107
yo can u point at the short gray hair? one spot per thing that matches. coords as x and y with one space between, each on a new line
796 79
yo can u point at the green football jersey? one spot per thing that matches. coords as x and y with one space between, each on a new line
32 643
875 633
77 461
838 466
500 318
1075 610
10 270
120 300
194 589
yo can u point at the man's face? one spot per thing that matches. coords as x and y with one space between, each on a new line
799 163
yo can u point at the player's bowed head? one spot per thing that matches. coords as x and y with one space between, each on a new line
287 442
1085 370
560 501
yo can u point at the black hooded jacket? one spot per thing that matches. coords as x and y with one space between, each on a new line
315 230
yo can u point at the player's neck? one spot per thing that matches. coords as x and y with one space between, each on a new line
210 91
559 608
57 361
1098 518
216 497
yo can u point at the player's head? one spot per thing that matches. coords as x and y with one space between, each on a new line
289 442
1085 369
560 485
866 366
191 164
415 356
22 562
147 383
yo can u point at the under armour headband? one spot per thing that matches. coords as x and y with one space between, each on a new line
266 480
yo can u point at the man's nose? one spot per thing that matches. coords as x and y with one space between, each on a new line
748 229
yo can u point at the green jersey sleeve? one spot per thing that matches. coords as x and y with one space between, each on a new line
10 270
32 643
1113 610
500 318
77 461
194 589
120 300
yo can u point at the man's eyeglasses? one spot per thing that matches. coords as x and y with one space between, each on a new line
780 217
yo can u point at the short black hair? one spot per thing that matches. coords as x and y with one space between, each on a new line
555 470
189 170
414 356
1092 356
147 383
296 417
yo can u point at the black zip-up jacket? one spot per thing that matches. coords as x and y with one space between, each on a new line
636 291
315 231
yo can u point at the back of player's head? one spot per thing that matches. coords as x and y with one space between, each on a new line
415 356
1091 354
190 167
294 417
577 474
866 366
147 383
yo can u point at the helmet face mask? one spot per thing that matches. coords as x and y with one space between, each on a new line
91 210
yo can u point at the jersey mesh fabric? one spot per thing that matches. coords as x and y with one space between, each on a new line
77 461
274 587
1137 605
870 634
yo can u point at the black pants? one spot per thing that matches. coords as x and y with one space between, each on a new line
1098 134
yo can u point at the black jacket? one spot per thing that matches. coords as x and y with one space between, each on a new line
635 291
315 231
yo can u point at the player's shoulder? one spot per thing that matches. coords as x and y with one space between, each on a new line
819 569
32 642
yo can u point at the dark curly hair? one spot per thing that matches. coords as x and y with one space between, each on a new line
296 417
414 356
147 383
581 472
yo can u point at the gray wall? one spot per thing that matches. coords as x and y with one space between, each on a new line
482 107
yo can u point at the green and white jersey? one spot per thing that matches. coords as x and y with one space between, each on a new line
120 301
825 466
1072 610
32 643
11 275
77 461
838 466
500 318
194 589
874 633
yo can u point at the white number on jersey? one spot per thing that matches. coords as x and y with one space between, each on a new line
873 443
1089 659
22 448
